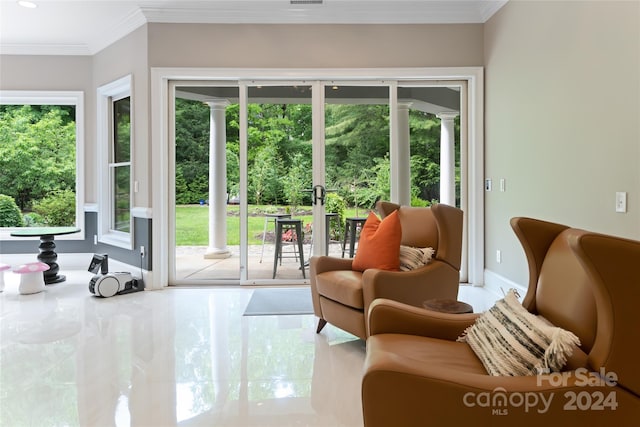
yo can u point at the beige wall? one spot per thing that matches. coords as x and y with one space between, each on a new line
562 120
128 56
321 46
19 72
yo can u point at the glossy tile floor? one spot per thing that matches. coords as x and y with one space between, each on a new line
177 357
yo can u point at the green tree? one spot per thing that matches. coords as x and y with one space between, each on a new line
183 196
264 180
37 151
425 155
357 137
192 149
199 188
296 181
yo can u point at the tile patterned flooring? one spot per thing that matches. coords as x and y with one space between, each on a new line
177 357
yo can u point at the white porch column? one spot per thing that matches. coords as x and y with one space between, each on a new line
217 181
404 155
447 158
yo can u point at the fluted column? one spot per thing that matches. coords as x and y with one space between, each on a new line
447 158
217 181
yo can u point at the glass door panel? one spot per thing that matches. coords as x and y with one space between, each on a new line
433 119
357 158
279 181
206 180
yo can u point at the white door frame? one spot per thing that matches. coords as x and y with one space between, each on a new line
161 76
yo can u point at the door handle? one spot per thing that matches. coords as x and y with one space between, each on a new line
319 193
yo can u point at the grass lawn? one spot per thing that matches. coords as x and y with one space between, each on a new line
192 223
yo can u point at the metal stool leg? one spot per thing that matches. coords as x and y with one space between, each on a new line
278 251
352 239
264 237
347 227
299 239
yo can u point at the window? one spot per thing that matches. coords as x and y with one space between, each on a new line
120 165
49 188
114 186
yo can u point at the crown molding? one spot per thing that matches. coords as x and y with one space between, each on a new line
118 30
44 49
489 8
103 39
270 12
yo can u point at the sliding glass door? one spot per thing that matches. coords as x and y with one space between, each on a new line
279 217
266 174
357 158
205 232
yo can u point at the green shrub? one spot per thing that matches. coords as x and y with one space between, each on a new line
33 219
10 215
336 204
58 209
418 202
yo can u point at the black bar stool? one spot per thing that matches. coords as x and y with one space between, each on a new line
351 233
282 226
267 218
327 219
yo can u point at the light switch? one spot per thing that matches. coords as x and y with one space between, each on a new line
502 184
487 184
621 201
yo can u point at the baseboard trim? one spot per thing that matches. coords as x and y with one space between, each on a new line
141 212
499 284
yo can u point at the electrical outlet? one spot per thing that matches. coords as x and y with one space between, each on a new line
142 253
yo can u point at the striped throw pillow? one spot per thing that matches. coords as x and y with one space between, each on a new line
510 341
412 258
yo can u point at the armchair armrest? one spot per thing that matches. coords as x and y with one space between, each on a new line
320 264
435 280
392 317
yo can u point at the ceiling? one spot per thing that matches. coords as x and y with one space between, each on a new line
84 27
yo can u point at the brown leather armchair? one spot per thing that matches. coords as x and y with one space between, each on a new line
341 296
416 374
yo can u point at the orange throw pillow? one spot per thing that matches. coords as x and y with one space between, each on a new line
379 244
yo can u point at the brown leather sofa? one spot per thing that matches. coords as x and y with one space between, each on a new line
341 296
416 374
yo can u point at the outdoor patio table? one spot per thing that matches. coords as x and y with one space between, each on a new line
47 248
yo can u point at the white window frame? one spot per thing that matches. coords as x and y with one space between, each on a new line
107 95
75 98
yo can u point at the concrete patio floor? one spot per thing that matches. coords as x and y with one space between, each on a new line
192 265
